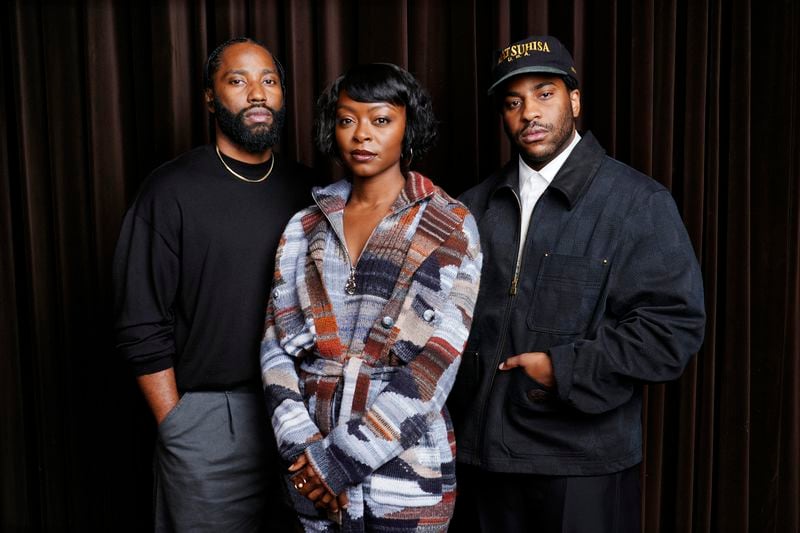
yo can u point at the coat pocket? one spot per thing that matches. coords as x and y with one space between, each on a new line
535 422
420 316
413 478
566 293
525 394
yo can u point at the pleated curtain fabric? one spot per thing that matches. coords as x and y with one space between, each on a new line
703 95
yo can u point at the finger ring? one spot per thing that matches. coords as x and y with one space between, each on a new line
301 483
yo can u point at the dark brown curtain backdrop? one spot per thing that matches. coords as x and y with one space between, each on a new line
702 94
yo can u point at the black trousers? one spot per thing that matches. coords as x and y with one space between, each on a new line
499 502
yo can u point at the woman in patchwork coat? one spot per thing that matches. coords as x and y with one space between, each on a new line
371 306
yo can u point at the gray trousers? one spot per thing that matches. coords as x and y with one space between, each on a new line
216 467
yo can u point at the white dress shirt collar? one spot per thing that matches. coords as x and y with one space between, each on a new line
549 171
532 185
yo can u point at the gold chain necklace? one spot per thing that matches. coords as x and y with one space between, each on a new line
248 180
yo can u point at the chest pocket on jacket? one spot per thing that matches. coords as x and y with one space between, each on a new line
566 293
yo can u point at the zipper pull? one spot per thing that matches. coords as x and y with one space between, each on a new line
350 284
514 283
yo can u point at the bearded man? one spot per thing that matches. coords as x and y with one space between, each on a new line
590 289
192 271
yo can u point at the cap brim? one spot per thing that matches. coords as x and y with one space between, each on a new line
527 70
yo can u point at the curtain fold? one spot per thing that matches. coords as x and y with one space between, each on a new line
702 95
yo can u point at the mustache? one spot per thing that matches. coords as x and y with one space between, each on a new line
536 125
265 107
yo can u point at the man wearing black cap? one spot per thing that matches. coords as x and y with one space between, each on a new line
590 289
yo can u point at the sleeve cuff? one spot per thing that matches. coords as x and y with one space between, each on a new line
151 367
330 470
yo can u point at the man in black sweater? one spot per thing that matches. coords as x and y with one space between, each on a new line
192 273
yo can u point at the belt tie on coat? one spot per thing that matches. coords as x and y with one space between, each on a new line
353 379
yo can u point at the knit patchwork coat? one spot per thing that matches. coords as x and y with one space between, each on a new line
357 360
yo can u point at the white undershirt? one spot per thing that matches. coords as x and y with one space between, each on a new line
532 185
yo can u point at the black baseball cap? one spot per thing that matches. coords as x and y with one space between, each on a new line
539 53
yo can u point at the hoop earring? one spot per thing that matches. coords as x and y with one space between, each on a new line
410 156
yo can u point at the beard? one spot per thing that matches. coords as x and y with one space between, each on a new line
255 138
560 135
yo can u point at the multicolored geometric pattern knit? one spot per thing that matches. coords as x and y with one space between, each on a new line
357 380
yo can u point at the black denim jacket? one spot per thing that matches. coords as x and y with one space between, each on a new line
609 286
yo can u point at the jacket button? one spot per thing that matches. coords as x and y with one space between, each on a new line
275 293
387 321
428 315
537 395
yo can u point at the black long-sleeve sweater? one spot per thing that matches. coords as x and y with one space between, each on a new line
193 267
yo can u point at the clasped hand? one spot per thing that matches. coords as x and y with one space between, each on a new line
308 483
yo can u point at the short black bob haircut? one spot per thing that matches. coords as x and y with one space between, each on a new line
215 60
379 82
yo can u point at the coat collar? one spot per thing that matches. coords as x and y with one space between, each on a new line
572 179
332 198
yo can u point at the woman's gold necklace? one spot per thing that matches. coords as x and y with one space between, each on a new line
248 180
